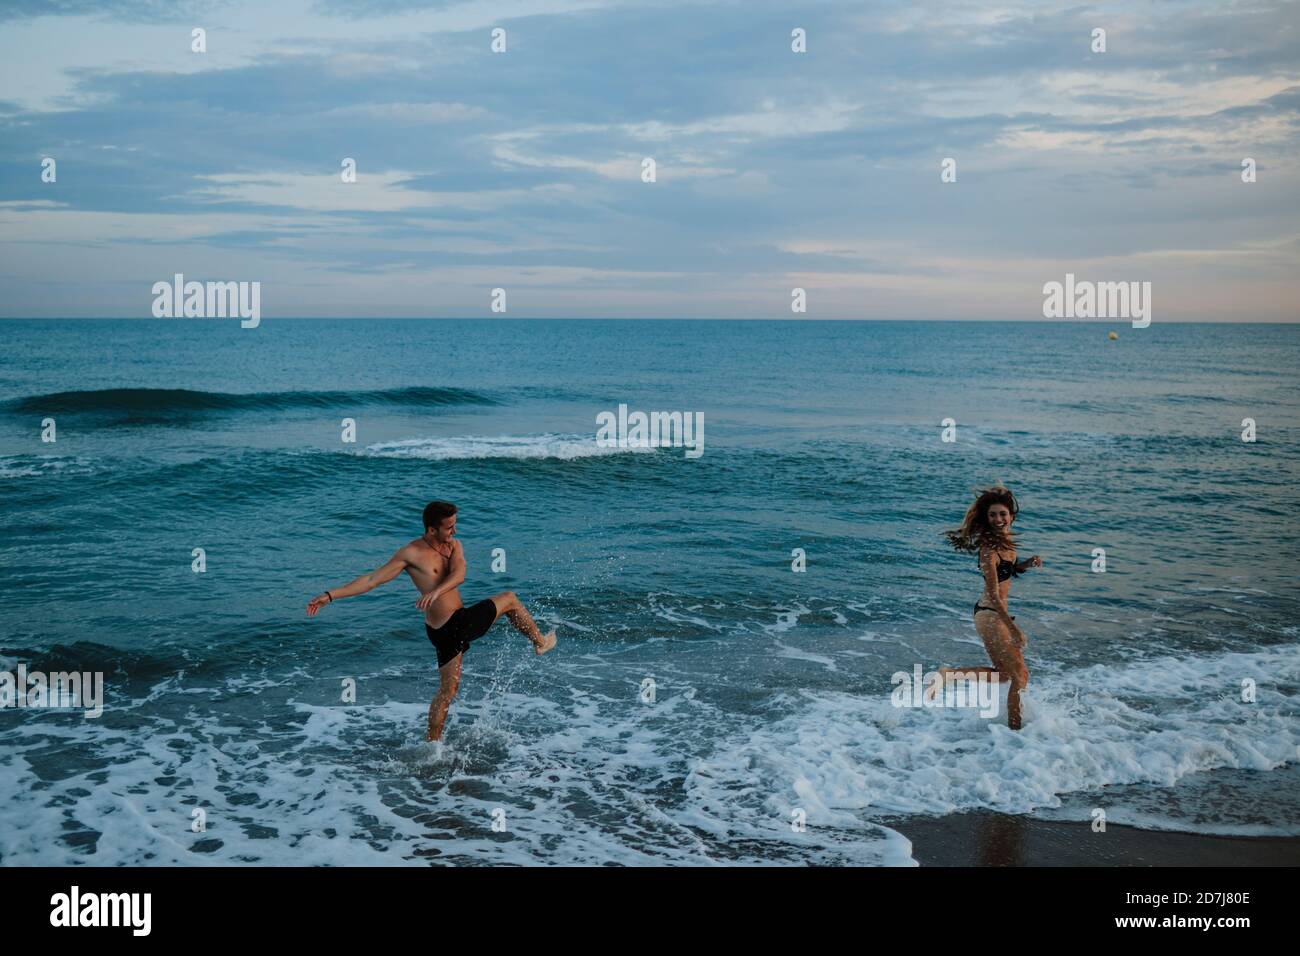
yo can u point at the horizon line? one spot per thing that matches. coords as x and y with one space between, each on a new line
1115 323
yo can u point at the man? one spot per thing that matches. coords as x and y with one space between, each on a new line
436 564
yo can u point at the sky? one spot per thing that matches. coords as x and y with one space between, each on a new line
774 169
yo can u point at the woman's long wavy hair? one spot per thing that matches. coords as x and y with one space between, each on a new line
975 532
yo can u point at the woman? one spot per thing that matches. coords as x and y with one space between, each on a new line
986 529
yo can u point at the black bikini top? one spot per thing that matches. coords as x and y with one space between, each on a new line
1007 569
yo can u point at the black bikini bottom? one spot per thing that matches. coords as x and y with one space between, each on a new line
981 607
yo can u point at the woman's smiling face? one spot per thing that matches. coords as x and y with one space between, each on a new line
999 517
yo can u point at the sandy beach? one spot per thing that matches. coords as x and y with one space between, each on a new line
986 838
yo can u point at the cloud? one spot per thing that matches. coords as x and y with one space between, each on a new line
773 168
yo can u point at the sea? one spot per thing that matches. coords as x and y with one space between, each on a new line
733 625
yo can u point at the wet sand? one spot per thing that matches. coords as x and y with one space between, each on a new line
985 838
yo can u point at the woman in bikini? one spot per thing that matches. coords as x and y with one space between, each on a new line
986 529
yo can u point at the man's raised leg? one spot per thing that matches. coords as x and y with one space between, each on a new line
508 603
448 683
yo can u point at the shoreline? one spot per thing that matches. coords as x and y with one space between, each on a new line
988 838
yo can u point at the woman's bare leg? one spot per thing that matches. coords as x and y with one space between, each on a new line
949 674
1007 659
508 604
949 671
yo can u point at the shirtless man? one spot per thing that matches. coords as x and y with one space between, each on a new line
436 564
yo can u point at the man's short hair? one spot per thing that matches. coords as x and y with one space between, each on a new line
436 511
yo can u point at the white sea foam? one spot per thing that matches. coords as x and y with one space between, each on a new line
797 654
1153 723
664 607
787 619
563 447
588 779
587 775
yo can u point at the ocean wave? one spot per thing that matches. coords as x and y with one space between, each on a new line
33 466
184 401
563 447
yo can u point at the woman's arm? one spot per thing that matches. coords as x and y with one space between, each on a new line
1025 565
366 582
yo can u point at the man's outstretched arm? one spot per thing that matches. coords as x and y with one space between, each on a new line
367 582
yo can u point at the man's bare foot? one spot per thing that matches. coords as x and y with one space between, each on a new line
548 641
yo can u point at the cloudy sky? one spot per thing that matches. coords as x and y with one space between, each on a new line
775 169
